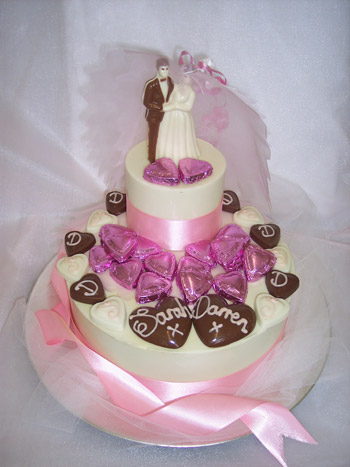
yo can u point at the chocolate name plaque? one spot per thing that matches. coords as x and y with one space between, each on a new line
167 325
218 323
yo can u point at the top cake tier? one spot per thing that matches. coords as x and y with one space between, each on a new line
177 215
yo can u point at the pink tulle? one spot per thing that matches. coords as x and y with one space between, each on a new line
117 116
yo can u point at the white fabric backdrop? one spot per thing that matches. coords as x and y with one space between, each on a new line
291 60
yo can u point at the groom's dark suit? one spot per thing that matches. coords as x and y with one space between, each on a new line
153 99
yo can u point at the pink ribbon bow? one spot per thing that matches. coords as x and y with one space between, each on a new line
183 410
202 65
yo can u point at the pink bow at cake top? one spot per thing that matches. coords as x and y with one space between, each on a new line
203 65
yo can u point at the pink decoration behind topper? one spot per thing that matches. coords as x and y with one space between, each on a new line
172 234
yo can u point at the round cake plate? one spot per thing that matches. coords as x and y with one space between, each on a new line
102 414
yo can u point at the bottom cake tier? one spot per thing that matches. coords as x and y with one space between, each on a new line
105 325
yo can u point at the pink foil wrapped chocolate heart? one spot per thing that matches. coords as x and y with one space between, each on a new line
193 278
228 246
151 287
257 262
119 242
193 170
234 231
236 264
231 285
202 251
227 250
109 230
145 248
99 259
163 264
162 172
126 274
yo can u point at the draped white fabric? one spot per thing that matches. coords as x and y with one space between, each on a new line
59 142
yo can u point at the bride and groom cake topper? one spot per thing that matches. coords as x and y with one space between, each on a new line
171 131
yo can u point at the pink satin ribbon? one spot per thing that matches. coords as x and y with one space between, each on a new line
202 66
188 411
173 234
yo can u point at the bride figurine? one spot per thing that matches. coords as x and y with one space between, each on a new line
176 138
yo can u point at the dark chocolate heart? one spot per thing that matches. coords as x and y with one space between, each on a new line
281 284
217 323
168 325
266 235
116 202
88 289
230 202
78 242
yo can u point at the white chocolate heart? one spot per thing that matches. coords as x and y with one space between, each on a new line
270 310
72 268
110 314
284 259
247 217
98 219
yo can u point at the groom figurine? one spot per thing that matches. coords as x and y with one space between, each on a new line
157 91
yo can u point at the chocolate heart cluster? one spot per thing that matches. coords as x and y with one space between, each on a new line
216 322
165 172
231 249
134 262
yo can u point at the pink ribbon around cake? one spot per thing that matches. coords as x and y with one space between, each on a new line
173 234
200 408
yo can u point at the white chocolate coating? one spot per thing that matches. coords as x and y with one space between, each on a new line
181 202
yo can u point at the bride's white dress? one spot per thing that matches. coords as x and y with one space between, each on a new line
176 137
